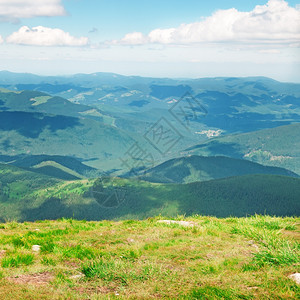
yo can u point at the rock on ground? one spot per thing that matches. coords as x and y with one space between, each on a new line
295 277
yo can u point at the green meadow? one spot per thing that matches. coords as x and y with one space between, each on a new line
193 258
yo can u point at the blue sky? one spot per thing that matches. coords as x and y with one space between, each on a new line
152 38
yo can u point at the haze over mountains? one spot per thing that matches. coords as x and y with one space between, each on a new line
159 130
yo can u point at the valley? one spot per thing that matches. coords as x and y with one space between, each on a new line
105 146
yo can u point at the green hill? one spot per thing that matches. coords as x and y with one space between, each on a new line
35 133
29 196
234 196
16 185
35 123
62 167
278 147
12 175
35 101
200 168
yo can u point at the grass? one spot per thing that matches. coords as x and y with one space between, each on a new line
17 261
232 258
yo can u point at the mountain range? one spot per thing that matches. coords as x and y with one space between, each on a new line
163 139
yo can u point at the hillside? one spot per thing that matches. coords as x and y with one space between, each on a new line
186 258
200 168
234 105
13 175
39 133
35 123
278 147
27 196
34 101
96 118
62 167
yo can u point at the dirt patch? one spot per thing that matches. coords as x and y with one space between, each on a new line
92 290
72 264
37 279
2 253
292 234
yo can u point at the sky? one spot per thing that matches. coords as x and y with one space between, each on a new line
166 38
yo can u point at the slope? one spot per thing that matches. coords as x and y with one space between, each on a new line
35 101
200 168
62 167
278 147
35 133
42 197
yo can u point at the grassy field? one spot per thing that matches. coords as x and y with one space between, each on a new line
201 258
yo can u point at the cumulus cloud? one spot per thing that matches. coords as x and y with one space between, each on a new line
275 22
44 36
134 38
1 39
16 9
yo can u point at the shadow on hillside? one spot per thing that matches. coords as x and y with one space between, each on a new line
51 209
216 147
31 125
138 203
6 145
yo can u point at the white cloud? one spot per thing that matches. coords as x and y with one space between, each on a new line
1 39
275 22
134 38
44 36
16 9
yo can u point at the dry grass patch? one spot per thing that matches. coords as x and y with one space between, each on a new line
37 279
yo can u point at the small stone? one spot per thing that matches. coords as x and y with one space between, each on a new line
77 276
295 277
182 223
36 248
129 240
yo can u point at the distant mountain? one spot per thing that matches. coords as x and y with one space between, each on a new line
252 85
218 145
200 168
233 105
36 123
62 167
38 133
34 101
278 147
29 196
98 117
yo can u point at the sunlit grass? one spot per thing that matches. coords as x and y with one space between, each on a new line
233 258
